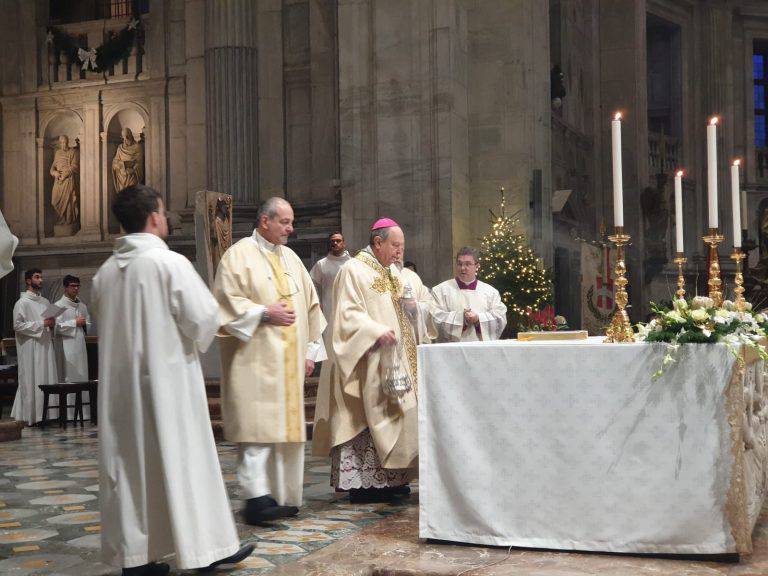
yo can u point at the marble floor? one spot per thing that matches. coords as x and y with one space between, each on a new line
49 525
49 515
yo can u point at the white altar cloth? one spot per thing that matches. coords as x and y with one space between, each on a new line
572 445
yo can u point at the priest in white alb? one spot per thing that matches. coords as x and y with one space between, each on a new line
466 309
272 328
372 431
33 324
323 274
160 485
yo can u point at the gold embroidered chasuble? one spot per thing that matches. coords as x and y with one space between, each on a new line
262 384
367 297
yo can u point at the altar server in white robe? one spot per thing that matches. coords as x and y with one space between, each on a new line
426 331
466 309
34 348
71 328
323 274
272 328
160 486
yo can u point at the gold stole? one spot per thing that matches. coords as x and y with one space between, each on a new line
293 392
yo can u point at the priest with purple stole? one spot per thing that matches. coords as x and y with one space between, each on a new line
371 432
466 309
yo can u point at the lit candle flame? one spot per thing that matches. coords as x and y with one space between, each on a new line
680 173
617 116
714 120
737 162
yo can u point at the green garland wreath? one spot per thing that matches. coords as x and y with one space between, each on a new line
116 48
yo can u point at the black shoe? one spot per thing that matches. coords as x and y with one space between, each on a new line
236 558
265 509
402 491
370 495
153 569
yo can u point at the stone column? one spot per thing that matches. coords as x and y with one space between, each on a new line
623 87
715 85
90 189
271 113
403 136
509 116
231 98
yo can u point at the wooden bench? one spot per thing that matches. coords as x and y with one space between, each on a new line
63 390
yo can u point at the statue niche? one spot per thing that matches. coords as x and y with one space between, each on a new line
128 163
65 195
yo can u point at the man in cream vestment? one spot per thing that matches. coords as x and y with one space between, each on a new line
160 486
372 433
34 348
273 325
466 309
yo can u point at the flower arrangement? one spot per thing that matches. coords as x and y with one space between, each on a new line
698 321
545 320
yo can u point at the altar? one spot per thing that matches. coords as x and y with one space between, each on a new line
574 446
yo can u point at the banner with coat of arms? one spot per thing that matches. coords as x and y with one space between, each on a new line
597 303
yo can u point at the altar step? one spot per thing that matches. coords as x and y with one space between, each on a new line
213 392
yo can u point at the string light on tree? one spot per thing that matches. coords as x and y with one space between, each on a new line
509 264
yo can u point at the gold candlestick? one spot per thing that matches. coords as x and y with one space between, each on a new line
680 260
740 302
714 282
620 330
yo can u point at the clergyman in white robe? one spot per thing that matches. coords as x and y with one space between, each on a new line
69 340
161 487
466 309
36 357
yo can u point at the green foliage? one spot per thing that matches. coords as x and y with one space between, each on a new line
509 264
116 47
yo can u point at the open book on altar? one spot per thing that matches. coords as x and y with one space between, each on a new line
553 335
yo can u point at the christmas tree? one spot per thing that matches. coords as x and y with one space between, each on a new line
509 264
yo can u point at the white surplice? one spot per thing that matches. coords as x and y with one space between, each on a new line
73 366
161 487
323 274
448 313
36 358
69 342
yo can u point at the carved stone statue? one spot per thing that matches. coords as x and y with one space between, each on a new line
213 230
128 163
65 196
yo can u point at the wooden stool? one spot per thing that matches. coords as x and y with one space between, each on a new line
63 390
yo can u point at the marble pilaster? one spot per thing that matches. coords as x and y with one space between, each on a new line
231 96
90 189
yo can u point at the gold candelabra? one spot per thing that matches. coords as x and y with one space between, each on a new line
680 259
620 330
714 282
740 302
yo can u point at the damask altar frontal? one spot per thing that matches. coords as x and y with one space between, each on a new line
574 446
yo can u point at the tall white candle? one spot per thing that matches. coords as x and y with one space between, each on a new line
712 171
618 194
679 211
736 201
